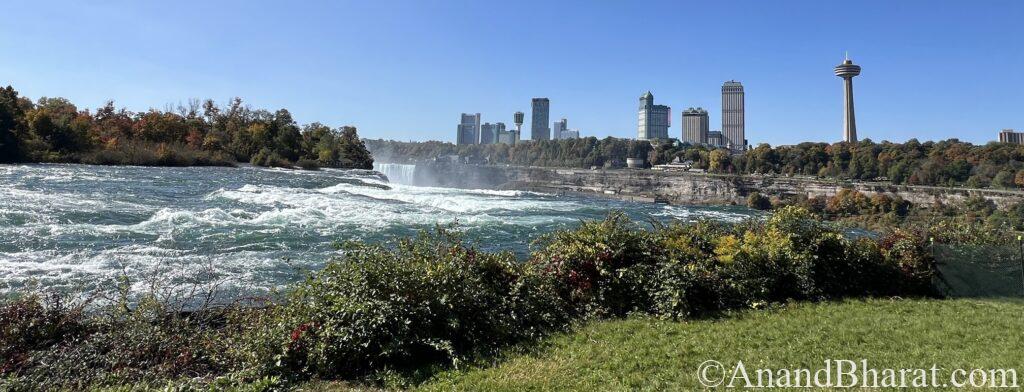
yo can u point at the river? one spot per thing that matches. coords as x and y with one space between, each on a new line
81 227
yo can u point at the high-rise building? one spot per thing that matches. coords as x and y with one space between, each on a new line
469 129
847 70
695 126
489 133
715 139
1009 136
733 122
570 134
654 119
539 122
517 118
558 127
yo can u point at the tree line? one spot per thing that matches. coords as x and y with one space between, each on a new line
943 163
582 152
196 133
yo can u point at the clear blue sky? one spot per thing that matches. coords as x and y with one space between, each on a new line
406 69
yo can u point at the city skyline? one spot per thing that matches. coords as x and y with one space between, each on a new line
470 130
341 77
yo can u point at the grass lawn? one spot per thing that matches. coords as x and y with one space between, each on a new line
651 354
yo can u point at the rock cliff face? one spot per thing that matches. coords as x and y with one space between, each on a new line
679 187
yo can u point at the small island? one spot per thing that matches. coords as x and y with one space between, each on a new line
199 133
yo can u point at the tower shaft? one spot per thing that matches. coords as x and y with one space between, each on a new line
849 119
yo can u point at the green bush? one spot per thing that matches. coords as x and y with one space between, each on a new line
689 283
268 158
50 341
154 154
758 201
428 300
308 164
908 252
611 267
602 267
34 323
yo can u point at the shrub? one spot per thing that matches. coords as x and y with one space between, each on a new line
602 267
63 347
427 300
908 252
34 323
268 158
308 164
689 283
154 154
848 202
758 201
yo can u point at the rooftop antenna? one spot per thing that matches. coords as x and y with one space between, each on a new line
847 54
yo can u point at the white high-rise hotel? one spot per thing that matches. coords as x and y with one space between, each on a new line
654 119
733 131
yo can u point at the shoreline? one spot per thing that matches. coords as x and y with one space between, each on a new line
684 188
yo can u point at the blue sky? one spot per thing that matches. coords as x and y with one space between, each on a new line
406 69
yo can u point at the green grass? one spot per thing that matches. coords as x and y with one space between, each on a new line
651 354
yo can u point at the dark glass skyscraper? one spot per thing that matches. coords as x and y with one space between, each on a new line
539 129
469 129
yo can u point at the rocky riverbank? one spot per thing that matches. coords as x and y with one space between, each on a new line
681 187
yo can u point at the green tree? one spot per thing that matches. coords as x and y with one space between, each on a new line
1004 179
287 137
12 122
718 161
353 152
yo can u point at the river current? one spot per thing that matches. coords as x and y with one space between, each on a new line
80 227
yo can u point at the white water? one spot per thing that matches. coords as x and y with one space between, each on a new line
78 227
397 173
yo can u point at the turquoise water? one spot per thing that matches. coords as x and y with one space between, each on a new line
80 227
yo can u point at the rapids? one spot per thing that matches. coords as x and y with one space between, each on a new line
79 227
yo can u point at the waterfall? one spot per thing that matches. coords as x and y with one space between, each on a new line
397 173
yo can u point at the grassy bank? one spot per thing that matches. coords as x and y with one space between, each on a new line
652 354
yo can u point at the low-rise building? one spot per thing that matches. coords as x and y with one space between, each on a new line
558 127
1009 136
570 134
716 139
489 132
